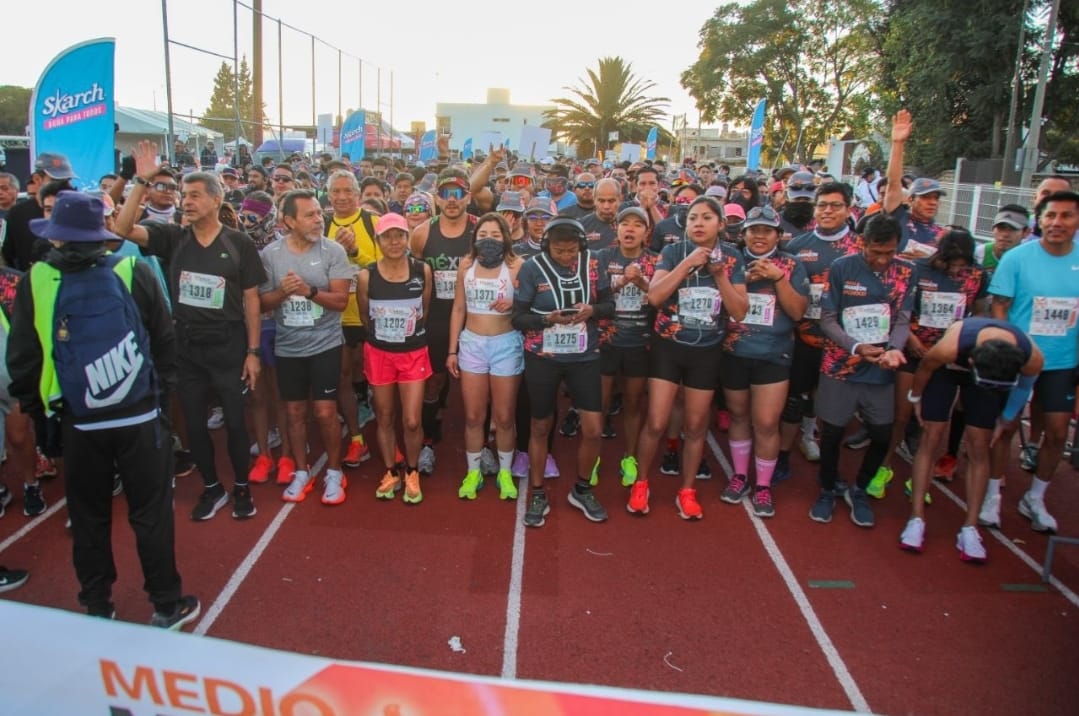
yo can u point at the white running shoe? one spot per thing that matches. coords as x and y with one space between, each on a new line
809 447
488 462
216 420
426 461
969 544
334 493
273 440
990 513
913 537
1033 508
297 490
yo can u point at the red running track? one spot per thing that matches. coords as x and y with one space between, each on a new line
784 610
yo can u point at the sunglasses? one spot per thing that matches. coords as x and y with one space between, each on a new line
585 185
537 217
456 193
801 187
416 209
165 186
250 218
283 179
520 181
683 201
990 383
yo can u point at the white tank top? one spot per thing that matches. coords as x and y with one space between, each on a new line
480 293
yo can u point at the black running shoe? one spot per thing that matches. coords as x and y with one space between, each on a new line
185 612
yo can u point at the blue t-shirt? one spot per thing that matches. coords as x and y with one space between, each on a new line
1045 299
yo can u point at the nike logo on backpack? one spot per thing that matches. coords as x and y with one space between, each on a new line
115 371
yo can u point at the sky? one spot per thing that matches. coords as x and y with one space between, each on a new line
436 51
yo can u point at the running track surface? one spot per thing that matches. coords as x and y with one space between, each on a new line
783 610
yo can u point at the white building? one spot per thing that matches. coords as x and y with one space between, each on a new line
723 144
465 121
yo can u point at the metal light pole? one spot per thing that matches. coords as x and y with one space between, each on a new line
167 150
1008 175
1030 153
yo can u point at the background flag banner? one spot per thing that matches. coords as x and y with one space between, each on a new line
353 135
756 138
650 143
72 111
125 669
466 149
428 150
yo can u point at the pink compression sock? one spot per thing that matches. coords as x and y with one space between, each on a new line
740 451
765 468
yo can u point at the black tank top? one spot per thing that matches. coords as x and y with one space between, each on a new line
444 255
968 338
397 320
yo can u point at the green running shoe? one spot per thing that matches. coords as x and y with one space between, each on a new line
628 469
594 480
507 488
908 490
879 482
472 482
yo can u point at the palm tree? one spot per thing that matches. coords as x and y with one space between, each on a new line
612 99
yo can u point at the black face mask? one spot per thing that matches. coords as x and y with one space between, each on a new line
489 252
680 214
798 213
743 202
734 232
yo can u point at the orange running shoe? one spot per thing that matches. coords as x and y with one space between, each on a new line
413 496
391 483
944 470
638 497
262 470
688 507
356 453
285 467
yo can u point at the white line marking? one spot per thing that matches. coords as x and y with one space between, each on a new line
238 577
839 668
598 554
667 661
25 529
1011 545
513 599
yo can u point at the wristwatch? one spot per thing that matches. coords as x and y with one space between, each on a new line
314 292
140 181
254 351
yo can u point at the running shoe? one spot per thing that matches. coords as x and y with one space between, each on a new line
593 479
876 486
638 498
723 420
550 468
182 464
472 482
616 404
43 466
33 500
356 453
858 440
970 546
913 537
670 465
908 489
243 506
426 461
262 470
186 611
736 490
334 484
628 470
609 432
520 465
1033 508
809 447
5 499
364 413
286 467
688 507
273 440
507 488
388 487
413 495
989 515
782 471
117 485
488 462
905 451
858 501
12 578
704 472
944 469
538 509
587 502
216 421
1028 457
302 483
210 501
762 502
571 424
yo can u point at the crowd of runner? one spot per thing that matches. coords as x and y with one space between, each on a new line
787 309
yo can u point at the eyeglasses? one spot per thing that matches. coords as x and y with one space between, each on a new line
834 205
537 217
250 218
801 187
283 179
165 186
455 193
990 383
585 185
416 209
520 180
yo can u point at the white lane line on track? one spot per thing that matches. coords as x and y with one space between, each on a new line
839 668
238 577
25 529
1014 548
513 599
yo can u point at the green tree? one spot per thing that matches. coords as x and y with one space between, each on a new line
814 61
14 109
1061 131
612 99
224 108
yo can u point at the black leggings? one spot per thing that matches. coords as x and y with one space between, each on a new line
832 437
524 421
